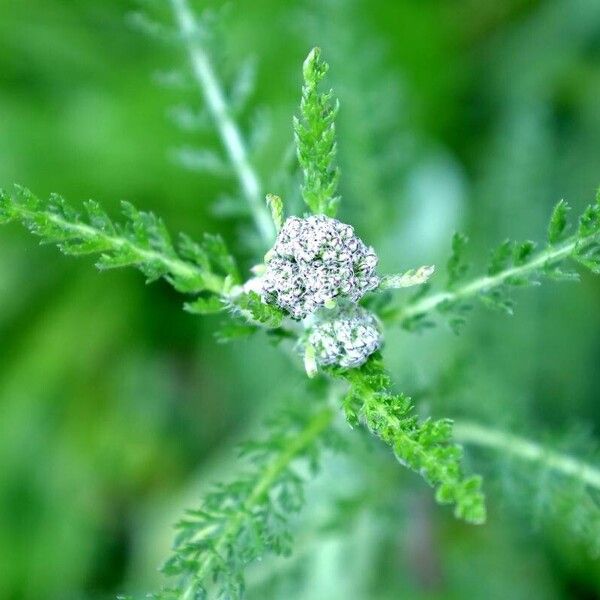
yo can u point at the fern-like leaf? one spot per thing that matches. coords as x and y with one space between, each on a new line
423 446
240 522
141 241
194 32
548 483
315 139
511 265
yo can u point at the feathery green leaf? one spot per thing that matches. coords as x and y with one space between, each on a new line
558 222
545 481
512 265
141 241
423 446
275 205
240 522
315 139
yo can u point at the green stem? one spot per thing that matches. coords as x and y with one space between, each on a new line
226 126
476 286
479 435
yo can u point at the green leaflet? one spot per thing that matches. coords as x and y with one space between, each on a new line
315 139
275 205
558 222
587 248
501 258
254 309
205 306
457 266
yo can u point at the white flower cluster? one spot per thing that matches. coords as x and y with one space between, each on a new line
313 261
345 337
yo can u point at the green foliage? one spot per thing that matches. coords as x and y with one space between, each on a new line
587 246
252 307
275 205
142 241
501 257
558 222
522 253
205 305
315 139
380 136
457 267
423 446
511 265
549 480
245 520
223 106
241 522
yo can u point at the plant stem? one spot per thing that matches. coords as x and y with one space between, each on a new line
473 433
481 284
226 126
319 423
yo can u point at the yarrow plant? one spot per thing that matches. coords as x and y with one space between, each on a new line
309 291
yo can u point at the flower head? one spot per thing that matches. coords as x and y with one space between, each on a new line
345 337
315 260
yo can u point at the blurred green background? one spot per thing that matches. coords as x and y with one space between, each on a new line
117 408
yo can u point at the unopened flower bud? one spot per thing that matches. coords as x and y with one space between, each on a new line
315 260
344 337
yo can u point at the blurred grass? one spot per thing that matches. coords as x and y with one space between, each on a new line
116 407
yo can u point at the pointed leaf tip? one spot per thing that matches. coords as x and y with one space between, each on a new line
275 204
